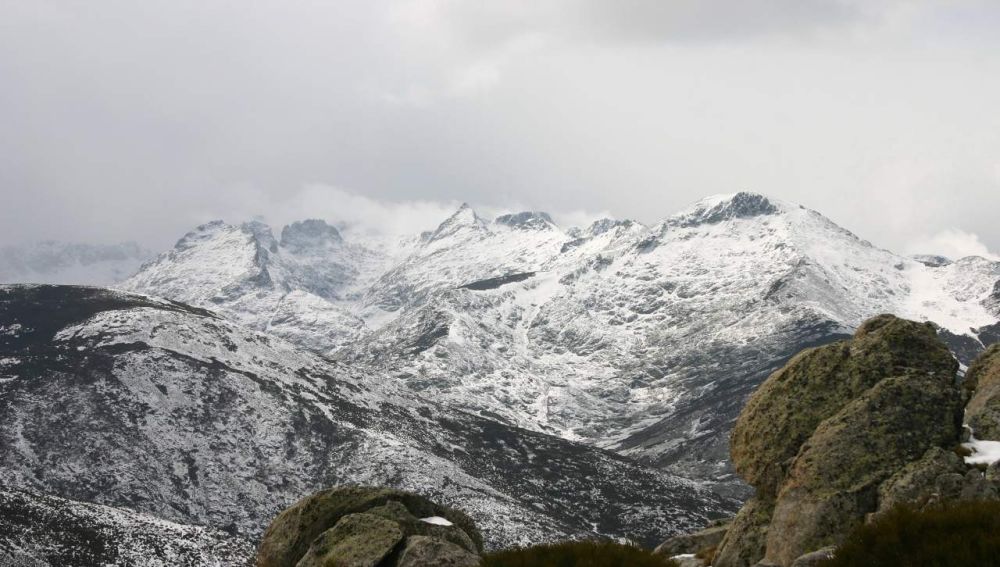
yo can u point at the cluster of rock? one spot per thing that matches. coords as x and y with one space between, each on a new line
369 527
845 432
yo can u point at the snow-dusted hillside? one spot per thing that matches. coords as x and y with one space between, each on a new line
643 340
169 410
64 263
305 287
37 530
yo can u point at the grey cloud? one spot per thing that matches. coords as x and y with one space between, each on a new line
653 20
124 120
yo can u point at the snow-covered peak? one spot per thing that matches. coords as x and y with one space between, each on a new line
309 235
464 219
527 220
718 208
204 233
600 226
212 261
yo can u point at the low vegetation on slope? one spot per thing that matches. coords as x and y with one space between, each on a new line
577 554
965 534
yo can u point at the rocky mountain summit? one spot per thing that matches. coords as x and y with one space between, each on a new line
848 431
645 341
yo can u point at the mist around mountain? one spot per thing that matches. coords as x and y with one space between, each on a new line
71 263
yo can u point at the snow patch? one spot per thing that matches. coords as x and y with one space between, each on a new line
983 452
436 520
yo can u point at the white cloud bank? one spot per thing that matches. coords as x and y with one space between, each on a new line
953 243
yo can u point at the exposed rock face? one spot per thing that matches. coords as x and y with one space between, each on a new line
423 551
923 482
983 411
367 527
785 411
309 235
823 433
693 543
746 541
834 480
814 559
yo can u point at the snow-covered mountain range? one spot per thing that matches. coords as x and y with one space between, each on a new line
551 381
643 340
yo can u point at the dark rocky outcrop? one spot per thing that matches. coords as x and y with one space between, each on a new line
688 544
983 382
820 437
382 527
493 283
310 234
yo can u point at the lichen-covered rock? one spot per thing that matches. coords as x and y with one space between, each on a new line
834 480
821 435
976 487
783 413
814 558
357 540
361 526
923 482
993 472
423 551
745 542
983 381
693 542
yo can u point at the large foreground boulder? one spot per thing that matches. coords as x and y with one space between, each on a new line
821 435
817 383
367 527
834 479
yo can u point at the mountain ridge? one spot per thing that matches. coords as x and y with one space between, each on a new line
621 327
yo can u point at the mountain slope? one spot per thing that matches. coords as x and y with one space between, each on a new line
39 531
170 410
642 340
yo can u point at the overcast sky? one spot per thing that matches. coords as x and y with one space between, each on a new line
138 120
